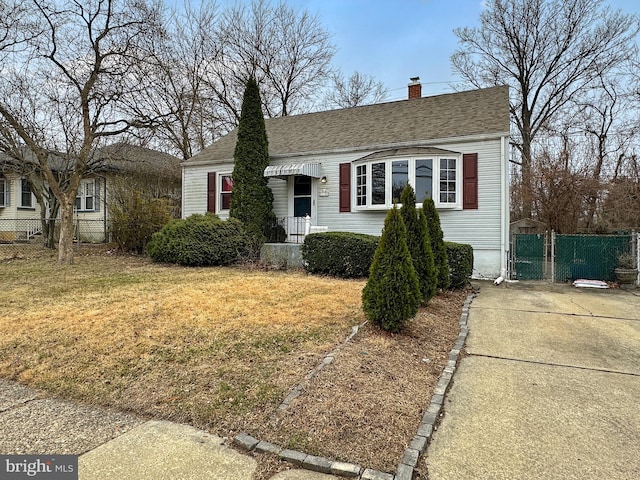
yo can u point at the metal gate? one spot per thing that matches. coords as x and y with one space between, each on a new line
529 253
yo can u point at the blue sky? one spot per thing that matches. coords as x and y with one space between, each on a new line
397 39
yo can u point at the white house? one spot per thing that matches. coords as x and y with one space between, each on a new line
345 168
122 165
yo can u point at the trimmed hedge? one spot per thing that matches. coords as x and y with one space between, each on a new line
200 240
340 254
460 257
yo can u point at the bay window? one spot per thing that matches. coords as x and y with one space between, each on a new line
379 183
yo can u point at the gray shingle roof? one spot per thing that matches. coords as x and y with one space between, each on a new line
405 122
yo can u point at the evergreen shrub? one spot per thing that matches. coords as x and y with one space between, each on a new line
252 199
437 243
340 254
200 240
460 260
419 244
391 296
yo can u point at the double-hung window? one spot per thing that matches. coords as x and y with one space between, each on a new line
26 195
226 186
379 183
3 193
86 198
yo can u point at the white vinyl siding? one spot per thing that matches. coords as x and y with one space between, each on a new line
482 228
194 188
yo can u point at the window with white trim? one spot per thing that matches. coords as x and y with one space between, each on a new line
3 193
86 198
26 195
225 188
379 183
361 185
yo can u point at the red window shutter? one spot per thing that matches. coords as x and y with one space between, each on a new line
345 187
470 181
211 192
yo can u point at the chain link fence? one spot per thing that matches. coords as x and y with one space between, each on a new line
589 256
29 237
560 258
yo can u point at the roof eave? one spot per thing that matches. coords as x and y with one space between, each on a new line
364 148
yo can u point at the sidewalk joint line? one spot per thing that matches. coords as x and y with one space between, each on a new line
534 362
541 312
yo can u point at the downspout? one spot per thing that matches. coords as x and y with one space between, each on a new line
104 208
182 192
504 214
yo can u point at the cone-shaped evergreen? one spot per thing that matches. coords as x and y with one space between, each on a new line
431 285
252 199
437 243
419 245
392 294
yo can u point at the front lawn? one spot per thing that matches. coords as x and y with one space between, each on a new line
202 346
220 348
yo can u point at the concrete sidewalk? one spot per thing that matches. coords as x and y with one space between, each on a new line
117 446
549 391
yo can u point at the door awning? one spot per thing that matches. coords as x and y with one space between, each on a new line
283 171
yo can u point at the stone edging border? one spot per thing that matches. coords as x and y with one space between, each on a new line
327 360
412 453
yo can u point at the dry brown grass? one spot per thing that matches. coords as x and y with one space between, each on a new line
203 346
220 348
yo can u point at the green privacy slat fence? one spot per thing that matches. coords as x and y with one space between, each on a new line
529 256
590 257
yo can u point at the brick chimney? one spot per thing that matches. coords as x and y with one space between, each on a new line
415 88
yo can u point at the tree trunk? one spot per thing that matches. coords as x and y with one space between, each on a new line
527 187
65 244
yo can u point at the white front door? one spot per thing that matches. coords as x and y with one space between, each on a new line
302 202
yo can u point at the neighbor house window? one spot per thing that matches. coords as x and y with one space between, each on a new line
86 199
379 183
226 186
3 192
26 195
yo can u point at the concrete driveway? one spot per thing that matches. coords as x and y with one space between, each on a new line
550 389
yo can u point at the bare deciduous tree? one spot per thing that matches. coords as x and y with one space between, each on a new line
621 209
66 92
286 50
358 89
186 108
548 51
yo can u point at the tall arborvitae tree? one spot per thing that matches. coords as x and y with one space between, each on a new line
252 199
437 243
419 244
391 296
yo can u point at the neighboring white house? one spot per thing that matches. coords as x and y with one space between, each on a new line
118 164
345 168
